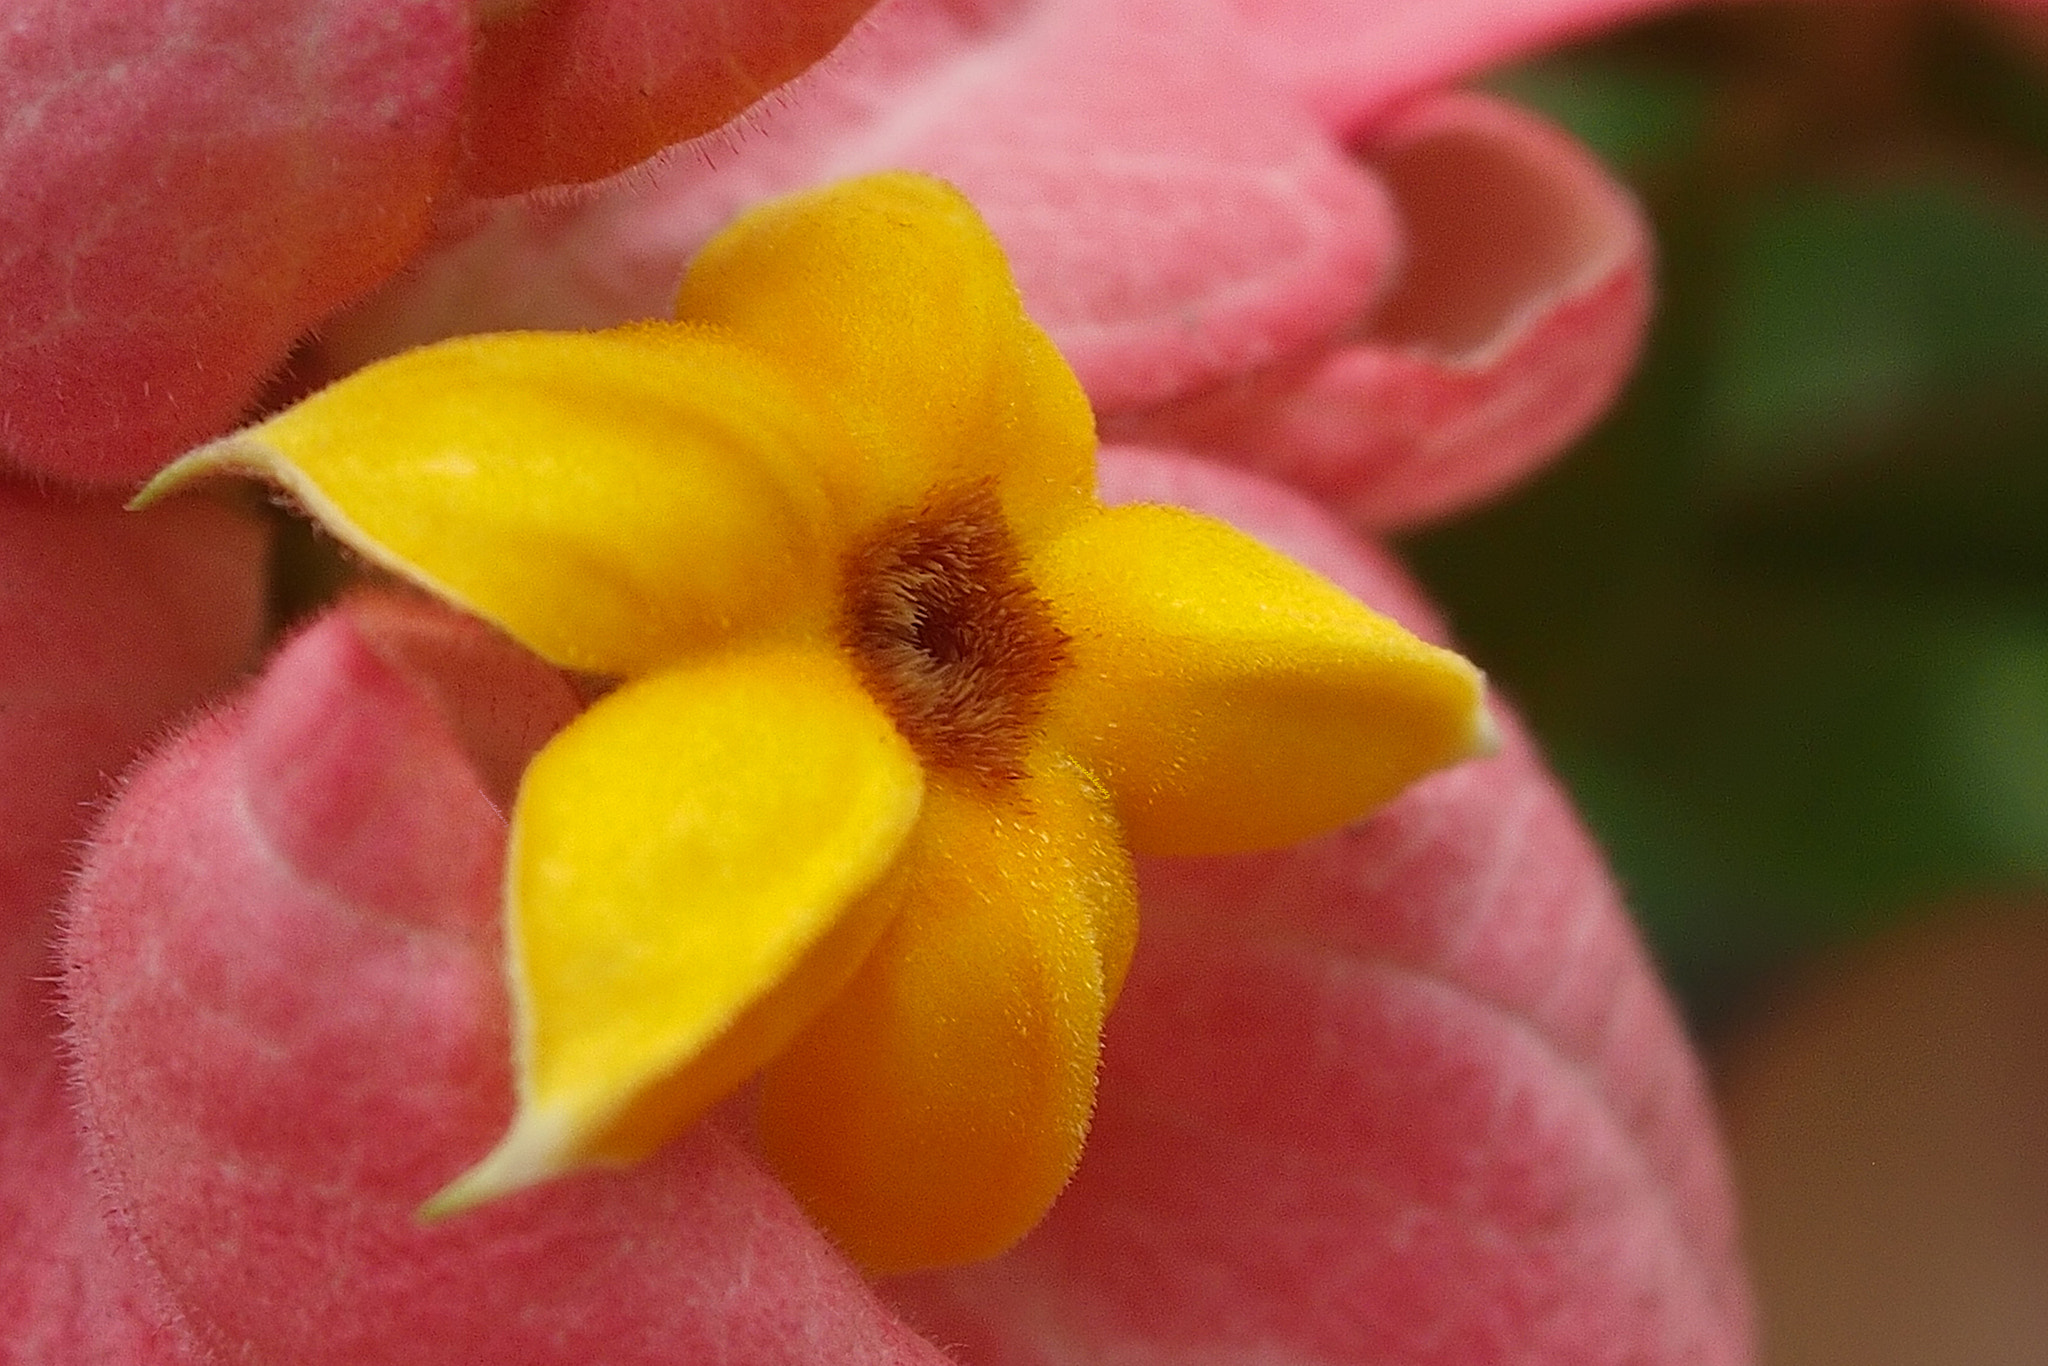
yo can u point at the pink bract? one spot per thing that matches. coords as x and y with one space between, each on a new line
114 625
1400 310
1410 1092
189 185
283 968
565 93
1515 317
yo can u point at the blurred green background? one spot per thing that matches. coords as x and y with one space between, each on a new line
1781 621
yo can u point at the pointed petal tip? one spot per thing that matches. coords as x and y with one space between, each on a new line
230 453
167 481
539 1145
1486 735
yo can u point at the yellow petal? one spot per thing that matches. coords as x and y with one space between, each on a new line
610 499
890 295
931 1114
689 879
1232 699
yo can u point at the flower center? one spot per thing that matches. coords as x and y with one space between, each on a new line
952 638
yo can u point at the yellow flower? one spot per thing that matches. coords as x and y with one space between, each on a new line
899 698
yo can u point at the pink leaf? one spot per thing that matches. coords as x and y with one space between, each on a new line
110 624
69 1293
290 1028
571 92
1407 1094
1401 317
1516 317
187 185
1173 217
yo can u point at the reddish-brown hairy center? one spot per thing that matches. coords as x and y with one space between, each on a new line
952 638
